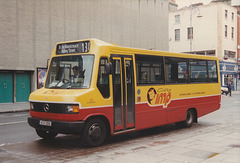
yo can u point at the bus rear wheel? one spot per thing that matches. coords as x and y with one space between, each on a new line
94 133
46 134
188 121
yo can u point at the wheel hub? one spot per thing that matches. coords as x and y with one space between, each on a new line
95 132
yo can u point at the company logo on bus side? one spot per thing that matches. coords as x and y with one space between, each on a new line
159 97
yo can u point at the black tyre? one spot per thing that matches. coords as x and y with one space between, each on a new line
94 133
46 134
189 119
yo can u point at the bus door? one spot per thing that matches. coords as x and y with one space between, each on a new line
123 92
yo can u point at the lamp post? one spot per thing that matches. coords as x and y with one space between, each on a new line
192 7
191 25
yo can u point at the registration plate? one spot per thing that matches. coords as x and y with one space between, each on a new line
45 123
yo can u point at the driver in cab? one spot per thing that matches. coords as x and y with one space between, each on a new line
78 75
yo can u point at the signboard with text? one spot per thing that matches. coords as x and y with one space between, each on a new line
73 47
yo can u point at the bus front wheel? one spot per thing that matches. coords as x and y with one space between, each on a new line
94 133
188 121
46 134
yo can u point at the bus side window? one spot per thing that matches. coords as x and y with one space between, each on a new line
103 78
176 70
212 71
149 69
198 71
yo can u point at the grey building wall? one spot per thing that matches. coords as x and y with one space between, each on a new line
29 29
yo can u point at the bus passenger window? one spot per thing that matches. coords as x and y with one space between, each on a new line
149 69
144 77
198 70
103 78
212 71
176 70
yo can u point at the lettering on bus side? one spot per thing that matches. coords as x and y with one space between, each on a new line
159 97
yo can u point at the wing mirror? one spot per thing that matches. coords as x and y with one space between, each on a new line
48 63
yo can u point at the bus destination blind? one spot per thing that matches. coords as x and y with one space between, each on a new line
73 47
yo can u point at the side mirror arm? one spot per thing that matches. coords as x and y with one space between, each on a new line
109 68
48 63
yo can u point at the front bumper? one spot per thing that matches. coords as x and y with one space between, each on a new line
57 126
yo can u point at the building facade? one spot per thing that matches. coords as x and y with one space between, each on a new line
238 38
29 30
207 30
172 5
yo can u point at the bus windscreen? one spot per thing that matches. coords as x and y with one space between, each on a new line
70 72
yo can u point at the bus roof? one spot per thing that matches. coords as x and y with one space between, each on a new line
95 44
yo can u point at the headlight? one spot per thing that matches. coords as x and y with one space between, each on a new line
72 108
31 106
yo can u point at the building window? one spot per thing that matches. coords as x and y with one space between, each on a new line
190 32
225 30
207 52
232 16
226 14
177 34
211 52
232 32
229 54
177 18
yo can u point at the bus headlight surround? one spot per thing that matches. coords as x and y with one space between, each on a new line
31 106
72 108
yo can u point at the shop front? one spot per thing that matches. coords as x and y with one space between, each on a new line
229 74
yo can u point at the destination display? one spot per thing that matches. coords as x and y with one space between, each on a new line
73 47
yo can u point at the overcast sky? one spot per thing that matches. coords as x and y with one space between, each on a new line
182 3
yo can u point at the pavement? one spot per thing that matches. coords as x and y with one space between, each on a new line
14 107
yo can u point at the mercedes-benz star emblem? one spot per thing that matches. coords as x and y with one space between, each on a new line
46 107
